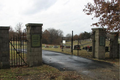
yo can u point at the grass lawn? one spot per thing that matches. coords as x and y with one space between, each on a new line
43 72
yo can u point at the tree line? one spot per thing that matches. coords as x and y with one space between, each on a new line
81 36
17 33
52 36
49 36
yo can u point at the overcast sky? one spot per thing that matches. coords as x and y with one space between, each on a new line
66 15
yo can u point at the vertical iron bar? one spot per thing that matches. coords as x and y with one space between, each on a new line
12 51
19 46
78 48
72 44
62 44
16 48
23 45
13 41
11 57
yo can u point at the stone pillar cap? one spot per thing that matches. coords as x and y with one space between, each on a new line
34 24
4 27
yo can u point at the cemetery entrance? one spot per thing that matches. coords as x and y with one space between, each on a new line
18 49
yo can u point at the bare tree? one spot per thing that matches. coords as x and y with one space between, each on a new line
18 28
75 37
68 37
11 32
45 37
52 36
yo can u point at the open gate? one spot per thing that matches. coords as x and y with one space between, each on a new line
18 49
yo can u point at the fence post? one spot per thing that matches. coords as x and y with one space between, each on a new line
4 47
34 44
72 43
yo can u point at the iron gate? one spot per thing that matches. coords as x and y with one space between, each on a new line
18 49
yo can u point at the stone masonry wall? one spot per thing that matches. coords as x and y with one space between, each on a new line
4 47
34 54
114 50
99 50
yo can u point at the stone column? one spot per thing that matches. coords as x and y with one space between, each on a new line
4 47
34 44
114 50
99 43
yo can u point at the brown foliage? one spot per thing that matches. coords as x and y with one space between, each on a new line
11 32
52 36
108 12
45 36
75 37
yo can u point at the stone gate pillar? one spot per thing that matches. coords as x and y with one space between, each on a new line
4 47
34 44
114 50
99 35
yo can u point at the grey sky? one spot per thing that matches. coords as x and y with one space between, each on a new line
66 15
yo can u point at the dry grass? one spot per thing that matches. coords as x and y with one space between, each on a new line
43 72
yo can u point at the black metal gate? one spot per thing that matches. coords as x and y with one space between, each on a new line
18 49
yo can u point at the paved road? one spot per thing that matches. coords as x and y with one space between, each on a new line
69 62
